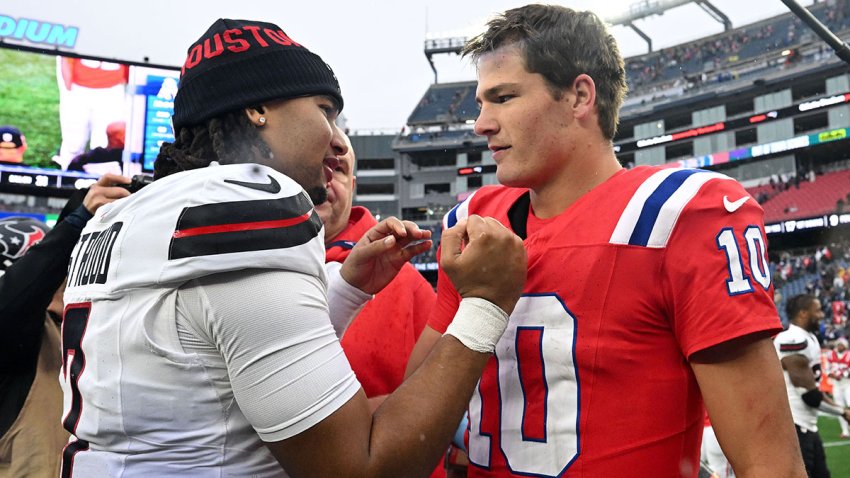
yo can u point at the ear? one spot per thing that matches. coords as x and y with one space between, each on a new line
585 99
254 114
353 185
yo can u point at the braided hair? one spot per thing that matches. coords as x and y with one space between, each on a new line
229 139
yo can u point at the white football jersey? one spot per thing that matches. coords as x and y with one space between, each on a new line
797 341
136 402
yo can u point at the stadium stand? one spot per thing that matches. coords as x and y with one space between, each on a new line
445 103
730 49
824 272
804 198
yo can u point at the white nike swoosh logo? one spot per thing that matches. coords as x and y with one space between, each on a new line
733 206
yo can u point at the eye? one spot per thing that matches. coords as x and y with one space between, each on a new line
328 109
503 98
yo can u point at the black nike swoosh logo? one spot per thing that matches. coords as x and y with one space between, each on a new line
270 187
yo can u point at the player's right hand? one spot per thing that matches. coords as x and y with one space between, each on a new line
104 191
485 259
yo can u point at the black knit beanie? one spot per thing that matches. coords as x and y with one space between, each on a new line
242 63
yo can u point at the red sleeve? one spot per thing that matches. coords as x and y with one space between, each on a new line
424 299
716 272
448 301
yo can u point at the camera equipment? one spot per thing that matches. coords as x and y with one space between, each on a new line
138 182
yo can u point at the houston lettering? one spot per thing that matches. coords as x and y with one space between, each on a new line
236 40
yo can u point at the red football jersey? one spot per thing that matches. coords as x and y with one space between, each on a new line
98 74
838 364
591 377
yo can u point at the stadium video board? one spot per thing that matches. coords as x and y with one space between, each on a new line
65 120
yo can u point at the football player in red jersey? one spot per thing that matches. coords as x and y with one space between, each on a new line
838 368
648 291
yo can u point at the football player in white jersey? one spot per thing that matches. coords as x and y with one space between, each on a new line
197 334
799 352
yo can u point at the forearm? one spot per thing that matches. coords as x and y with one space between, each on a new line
427 340
438 389
344 300
407 434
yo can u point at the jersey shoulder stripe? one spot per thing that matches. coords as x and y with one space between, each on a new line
458 213
651 214
240 226
793 347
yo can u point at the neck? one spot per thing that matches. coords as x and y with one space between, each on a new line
584 170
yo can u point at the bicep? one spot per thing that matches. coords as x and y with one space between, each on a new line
336 446
744 393
284 361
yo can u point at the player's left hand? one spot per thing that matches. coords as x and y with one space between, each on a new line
381 252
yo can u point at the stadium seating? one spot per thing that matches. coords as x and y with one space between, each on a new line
809 199
734 47
445 103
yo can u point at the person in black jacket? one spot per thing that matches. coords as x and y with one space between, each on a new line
34 264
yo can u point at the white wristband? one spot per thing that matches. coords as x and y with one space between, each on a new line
478 324
344 300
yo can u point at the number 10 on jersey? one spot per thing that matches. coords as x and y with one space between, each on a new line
537 394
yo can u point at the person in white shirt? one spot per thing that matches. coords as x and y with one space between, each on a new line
198 336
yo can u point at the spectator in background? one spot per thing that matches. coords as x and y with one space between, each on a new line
103 160
838 369
91 96
378 341
800 354
35 262
13 145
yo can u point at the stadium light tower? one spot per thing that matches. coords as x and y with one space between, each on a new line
648 8
437 46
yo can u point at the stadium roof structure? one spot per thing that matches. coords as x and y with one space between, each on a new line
648 8
638 10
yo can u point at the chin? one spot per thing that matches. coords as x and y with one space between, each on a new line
319 195
506 179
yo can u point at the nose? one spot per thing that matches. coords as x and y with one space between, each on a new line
338 142
486 124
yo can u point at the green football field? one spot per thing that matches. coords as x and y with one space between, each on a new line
29 101
837 449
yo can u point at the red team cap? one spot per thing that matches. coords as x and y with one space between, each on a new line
262 63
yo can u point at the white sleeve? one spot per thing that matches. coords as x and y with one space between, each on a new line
286 367
791 342
344 300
